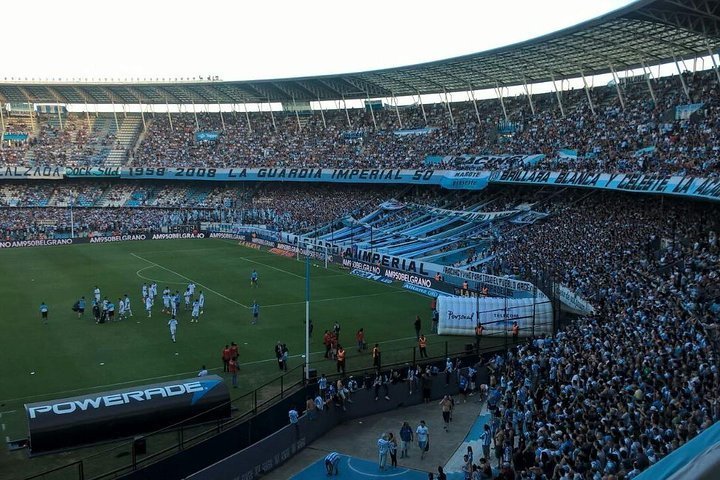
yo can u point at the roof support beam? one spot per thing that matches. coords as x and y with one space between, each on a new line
222 118
649 83
471 93
272 115
422 108
347 115
528 94
715 65
502 102
247 117
397 111
557 95
587 92
682 80
322 113
372 112
617 86
172 128
447 104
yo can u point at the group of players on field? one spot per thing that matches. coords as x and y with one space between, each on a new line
104 309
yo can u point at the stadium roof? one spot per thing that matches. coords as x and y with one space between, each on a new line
647 31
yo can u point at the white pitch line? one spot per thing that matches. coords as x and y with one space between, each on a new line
274 268
155 280
338 298
7 411
190 280
3 427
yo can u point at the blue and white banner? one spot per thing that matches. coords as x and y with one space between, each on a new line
688 186
370 276
683 112
206 136
14 137
85 172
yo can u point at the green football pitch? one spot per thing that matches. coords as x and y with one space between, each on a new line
71 356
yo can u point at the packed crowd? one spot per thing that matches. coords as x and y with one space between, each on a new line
613 393
123 208
635 134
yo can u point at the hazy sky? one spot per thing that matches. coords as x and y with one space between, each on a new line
239 40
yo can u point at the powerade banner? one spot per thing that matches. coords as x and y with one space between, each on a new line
95 417
35 173
689 186
206 136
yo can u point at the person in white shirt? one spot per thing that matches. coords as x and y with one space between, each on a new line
96 292
203 372
188 297
191 287
195 315
423 437
128 310
148 305
173 327
153 290
121 309
201 302
144 291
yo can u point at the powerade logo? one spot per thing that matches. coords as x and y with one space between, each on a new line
198 390
370 276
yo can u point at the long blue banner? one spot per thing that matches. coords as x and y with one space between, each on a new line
688 186
677 185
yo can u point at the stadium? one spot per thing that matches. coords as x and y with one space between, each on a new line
213 279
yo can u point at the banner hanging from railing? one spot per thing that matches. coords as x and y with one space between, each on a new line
689 186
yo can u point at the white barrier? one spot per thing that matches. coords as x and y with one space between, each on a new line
460 315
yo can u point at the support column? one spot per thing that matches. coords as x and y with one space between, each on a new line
649 83
117 124
87 117
715 65
59 114
247 117
142 115
397 110
529 96
222 118
2 123
197 124
587 92
682 80
372 111
322 113
447 104
422 108
502 101
347 115
297 116
558 96
617 87
272 115
167 106
472 96
31 114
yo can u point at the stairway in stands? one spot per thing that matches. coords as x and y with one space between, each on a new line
126 137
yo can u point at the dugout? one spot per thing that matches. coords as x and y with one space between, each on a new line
70 422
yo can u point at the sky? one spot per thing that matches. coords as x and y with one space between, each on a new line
246 40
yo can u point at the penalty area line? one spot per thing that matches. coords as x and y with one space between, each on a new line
190 280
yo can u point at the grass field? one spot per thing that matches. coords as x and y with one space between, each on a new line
71 356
